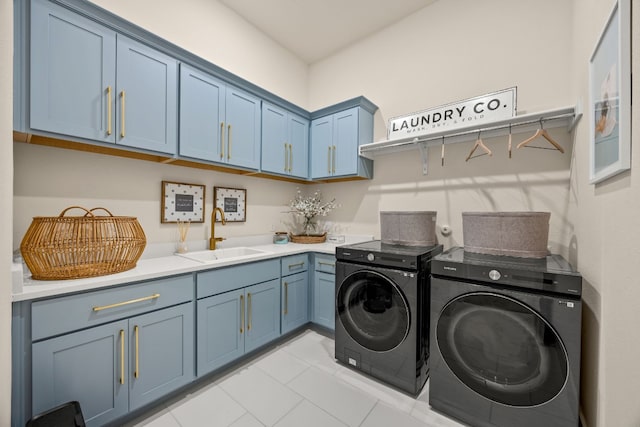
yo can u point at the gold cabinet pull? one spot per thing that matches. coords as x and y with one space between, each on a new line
330 264
121 356
286 157
297 264
120 304
241 313
109 108
334 159
249 308
221 140
290 158
122 99
229 140
136 331
329 161
286 297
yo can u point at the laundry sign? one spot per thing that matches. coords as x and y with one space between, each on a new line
469 112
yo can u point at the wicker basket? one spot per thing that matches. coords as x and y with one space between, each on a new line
308 238
72 247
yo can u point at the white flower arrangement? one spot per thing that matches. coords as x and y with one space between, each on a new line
310 207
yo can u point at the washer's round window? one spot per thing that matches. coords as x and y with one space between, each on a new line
373 311
502 349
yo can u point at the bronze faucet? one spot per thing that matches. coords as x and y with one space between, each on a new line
214 239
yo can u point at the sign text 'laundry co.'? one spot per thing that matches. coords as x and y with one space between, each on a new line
469 112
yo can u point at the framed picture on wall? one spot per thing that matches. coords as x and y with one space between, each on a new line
184 202
610 96
232 201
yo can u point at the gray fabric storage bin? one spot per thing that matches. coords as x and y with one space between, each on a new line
517 234
408 228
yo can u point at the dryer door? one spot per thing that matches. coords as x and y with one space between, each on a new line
373 310
502 349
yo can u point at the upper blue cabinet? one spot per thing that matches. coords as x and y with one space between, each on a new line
77 90
285 142
218 122
335 140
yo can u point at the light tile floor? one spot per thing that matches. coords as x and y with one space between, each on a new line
297 383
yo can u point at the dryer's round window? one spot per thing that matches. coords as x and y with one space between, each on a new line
502 349
373 311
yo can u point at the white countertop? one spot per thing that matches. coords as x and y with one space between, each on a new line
157 261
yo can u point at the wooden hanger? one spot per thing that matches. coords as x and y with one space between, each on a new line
480 144
542 133
509 141
442 153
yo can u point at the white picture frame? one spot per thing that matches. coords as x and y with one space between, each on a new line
610 97
232 201
182 202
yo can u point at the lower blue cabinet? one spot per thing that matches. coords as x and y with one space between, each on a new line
236 322
295 307
114 368
324 290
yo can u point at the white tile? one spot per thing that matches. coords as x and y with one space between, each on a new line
261 395
383 415
376 389
314 349
162 418
423 412
339 399
211 406
282 366
247 420
308 415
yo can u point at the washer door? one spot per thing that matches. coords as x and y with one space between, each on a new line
373 310
502 349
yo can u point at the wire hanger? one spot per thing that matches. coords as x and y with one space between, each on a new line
480 144
509 141
541 133
442 153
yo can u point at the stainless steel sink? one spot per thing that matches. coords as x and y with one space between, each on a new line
208 256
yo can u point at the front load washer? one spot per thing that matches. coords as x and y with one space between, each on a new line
505 340
382 318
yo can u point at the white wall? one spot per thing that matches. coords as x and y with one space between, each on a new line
607 236
6 185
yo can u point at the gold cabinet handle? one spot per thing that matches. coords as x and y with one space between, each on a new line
221 140
123 100
109 108
286 298
136 331
329 161
330 264
241 313
334 159
121 356
249 308
286 157
297 264
290 158
120 304
229 140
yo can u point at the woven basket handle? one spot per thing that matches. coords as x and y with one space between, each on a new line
88 212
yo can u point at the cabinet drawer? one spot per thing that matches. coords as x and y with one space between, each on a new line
221 280
325 263
60 315
294 264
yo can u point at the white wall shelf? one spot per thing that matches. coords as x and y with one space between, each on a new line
562 117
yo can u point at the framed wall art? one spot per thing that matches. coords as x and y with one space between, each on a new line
184 202
232 201
610 97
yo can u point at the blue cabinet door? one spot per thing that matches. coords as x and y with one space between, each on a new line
299 148
262 314
73 66
147 97
202 99
345 142
161 353
285 142
295 311
220 330
242 113
324 299
89 366
322 147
